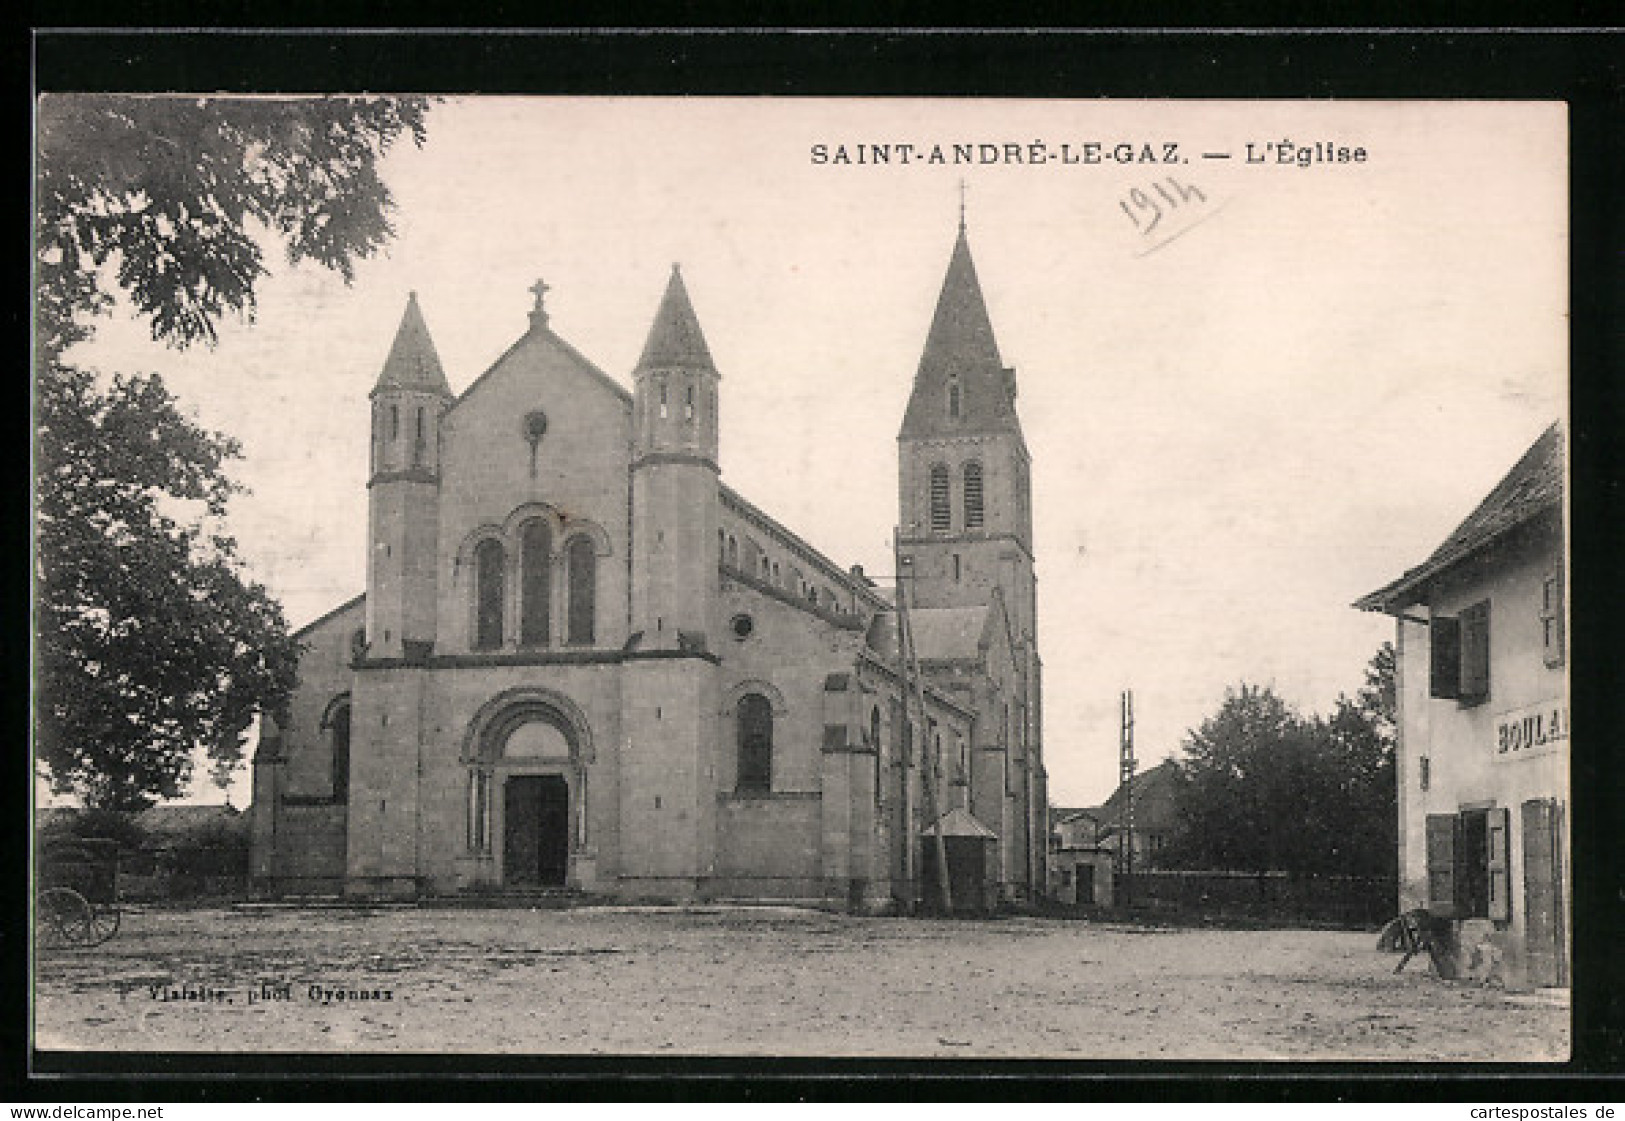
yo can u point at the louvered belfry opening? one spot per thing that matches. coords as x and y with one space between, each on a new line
941 519
973 496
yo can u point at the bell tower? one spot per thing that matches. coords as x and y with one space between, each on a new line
965 494
403 504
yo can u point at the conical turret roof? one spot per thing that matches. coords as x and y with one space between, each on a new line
960 348
675 338
413 362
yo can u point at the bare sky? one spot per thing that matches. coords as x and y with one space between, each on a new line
1234 434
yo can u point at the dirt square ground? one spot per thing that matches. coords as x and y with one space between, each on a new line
764 981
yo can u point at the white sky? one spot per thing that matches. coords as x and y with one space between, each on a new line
1233 436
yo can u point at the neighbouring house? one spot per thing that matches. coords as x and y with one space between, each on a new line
584 662
1483 756
1080 862
1155 818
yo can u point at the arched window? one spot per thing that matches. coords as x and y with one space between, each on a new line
394 421
953 399
535 563
733 552
973 495
339 724
583 563
941 518
489 562
755 719
722 547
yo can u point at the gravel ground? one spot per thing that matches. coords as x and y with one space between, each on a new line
765 981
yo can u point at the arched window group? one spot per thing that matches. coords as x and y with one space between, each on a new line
755 720
490 564
581 559
535 588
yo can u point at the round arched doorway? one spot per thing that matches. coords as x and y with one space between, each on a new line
526 753
535 806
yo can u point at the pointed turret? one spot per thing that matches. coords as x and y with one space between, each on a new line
675 339
413 362
962 385
674 477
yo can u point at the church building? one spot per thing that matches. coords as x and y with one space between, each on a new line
584 662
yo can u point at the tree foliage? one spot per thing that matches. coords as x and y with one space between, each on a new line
168 194
151 640
1264 788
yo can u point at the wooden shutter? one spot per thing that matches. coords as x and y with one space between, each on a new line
1444 644
1442 830
1475 652
1497 828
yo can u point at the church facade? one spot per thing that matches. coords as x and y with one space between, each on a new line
582 661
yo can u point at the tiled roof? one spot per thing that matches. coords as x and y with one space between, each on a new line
1533 486
948 633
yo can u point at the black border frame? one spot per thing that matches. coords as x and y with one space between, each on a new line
1580 66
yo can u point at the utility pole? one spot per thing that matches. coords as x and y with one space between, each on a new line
914 687
1126 767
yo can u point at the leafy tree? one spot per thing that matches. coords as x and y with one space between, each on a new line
151 641
1263 788
173 195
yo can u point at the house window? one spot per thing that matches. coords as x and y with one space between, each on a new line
394 421
1467 862
488 594
662 400
535 560
1553 642
688 405
973 496
755 720
583 562
1459 650
940 516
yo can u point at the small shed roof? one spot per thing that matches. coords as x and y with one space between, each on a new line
958 822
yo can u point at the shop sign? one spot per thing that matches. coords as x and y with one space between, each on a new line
1534 730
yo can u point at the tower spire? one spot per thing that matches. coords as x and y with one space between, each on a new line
413 362
675 339
961 384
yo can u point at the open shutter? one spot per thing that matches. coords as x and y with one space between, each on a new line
1475 652
1444 645
1441 848
1498 825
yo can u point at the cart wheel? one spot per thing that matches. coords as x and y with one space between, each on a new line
63 918
103 923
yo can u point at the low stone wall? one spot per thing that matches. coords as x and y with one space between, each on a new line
1267 897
